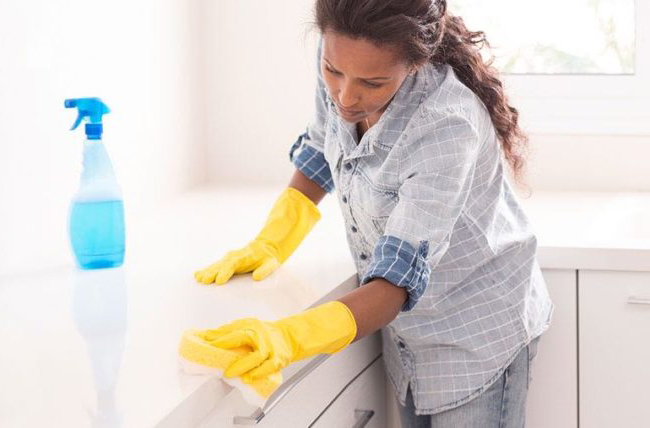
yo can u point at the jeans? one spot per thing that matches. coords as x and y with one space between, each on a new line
502 405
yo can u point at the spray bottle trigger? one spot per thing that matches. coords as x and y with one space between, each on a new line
78 121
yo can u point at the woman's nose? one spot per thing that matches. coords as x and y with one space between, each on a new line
347 97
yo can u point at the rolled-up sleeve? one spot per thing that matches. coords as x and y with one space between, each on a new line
399 263
436 172
310 159
311 162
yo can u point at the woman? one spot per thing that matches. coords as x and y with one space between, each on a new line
410 127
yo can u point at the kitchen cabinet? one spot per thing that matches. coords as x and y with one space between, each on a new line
311 397
592 365
314 396
591 360
362 404
552 399
614 360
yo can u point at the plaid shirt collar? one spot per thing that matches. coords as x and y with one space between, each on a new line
392 122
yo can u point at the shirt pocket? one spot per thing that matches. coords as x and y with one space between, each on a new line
371 206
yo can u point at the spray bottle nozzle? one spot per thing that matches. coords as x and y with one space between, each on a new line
91 108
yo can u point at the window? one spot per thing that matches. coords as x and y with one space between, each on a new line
555 36
569 66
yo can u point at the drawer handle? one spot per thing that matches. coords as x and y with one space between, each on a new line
279 393
363 417
294 380
636 300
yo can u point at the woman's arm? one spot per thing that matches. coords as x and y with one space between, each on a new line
308 187
374 305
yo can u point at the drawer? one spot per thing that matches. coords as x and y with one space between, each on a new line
308 398
362 404
614 353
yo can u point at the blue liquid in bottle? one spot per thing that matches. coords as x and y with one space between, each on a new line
97 233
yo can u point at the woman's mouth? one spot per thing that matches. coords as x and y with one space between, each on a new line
347 113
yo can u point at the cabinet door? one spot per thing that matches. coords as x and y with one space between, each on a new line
361 404
552 397
614 314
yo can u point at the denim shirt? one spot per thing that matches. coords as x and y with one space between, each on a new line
427 207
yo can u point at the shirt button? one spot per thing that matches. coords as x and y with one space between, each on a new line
345 200
363 256
354 229
348 166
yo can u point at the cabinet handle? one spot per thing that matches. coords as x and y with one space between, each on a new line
638 300
279 393
363 417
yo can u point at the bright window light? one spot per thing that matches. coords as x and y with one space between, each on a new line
555 36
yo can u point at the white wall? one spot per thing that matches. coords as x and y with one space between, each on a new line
600 163
260 82
141 57
202 91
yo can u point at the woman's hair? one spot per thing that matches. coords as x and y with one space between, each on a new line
423 30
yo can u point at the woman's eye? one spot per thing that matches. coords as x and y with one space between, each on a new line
370 85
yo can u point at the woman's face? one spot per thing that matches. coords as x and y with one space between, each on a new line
361 77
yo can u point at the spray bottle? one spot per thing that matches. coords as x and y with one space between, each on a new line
96 217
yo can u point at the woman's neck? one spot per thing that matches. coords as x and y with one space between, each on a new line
365 124
362 127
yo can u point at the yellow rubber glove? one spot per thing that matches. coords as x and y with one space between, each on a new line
327 328
293 215
194 348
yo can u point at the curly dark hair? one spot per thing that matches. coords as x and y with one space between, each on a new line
423 30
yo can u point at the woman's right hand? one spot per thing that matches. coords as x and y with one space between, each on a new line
257 256
293 215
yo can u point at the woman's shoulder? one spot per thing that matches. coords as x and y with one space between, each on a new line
449 122
446 95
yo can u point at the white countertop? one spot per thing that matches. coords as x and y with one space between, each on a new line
577 230
98 348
